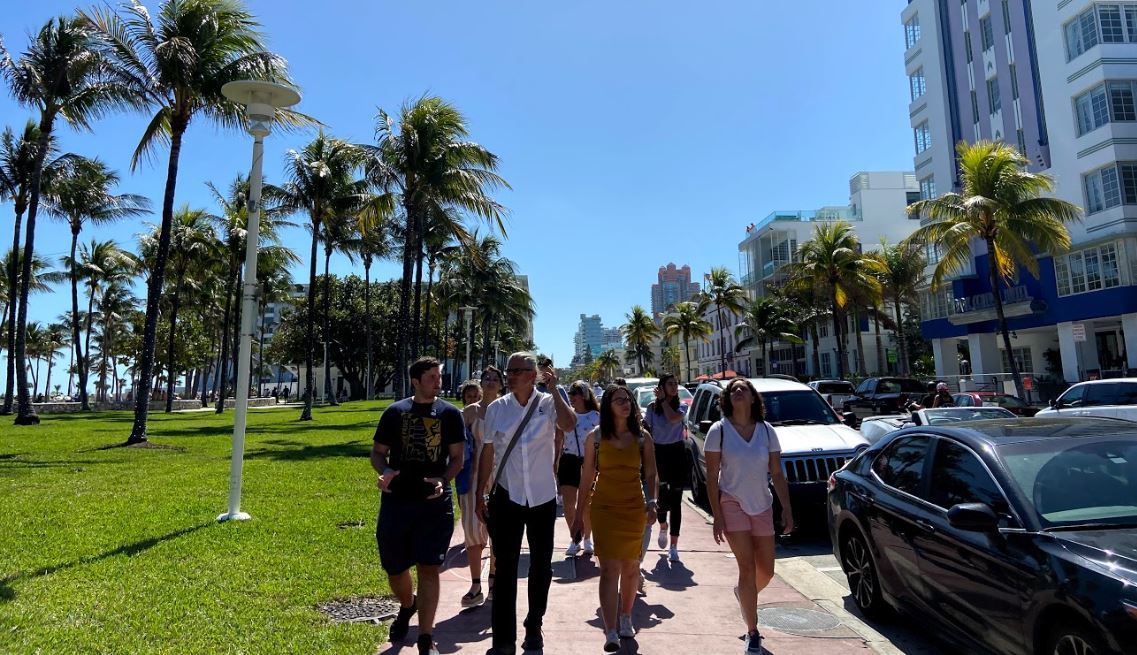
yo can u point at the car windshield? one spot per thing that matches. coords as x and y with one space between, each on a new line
1075 482
802 407
644 396
835 387
897 385
943 415
1003 401
685 395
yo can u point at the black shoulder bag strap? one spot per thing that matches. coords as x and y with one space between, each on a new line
534 401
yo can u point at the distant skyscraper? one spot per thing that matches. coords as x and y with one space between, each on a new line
674 287
589 335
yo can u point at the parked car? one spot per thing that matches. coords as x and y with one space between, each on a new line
635 383
644 396
1115 398
835 392
874 428
877 396
1009 536
1013 404
814 440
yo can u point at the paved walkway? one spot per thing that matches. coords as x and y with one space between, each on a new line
689 606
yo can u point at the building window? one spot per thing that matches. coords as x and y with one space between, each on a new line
1087 270
986 33
1112 29
1111 186
1102 23
917 83
1022 357
822 331
826 366
967 46
1108 102
932 253
928 188
974 107
1006 17
911 31
923 136
994 102
1022 140
1014 82
1121 101
1081 34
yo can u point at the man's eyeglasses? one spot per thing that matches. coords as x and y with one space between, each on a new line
517 371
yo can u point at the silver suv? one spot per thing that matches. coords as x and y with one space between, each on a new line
815 442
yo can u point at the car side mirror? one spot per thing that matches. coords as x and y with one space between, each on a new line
1053 403
705 426
849 419
976 517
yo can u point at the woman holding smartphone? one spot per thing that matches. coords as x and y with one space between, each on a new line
665 420
571 461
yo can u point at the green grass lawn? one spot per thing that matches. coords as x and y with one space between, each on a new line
118 550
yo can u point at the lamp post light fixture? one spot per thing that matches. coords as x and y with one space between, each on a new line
261 100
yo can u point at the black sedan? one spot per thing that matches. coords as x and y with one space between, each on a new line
1014 536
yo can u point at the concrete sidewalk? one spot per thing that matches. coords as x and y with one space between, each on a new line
689 606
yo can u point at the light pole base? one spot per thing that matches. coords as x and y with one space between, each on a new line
239 516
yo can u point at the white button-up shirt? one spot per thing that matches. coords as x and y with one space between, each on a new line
528 475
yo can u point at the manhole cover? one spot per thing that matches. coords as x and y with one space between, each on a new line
361 609
796 620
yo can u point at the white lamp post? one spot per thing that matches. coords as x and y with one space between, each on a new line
261 100
469 312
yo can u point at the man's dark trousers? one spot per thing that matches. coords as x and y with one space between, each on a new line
508 521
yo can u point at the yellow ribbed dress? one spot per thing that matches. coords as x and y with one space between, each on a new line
618 517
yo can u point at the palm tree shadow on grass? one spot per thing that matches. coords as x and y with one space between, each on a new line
7 592
304 451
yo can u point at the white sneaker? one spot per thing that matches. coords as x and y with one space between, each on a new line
560 500
611 641
627 630
673 554
662 540
587 549
573 550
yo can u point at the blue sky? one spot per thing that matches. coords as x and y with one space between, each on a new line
633 133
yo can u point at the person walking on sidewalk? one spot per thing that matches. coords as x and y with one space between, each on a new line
742 453
620 459
417 452
493 383
474 531
665 420
572 459
520 499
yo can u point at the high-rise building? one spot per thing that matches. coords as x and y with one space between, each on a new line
674 286
1058 80
589 335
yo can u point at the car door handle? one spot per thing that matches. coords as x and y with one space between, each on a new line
926 526
866 498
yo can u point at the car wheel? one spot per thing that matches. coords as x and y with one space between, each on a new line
698 487
860 570
1073 640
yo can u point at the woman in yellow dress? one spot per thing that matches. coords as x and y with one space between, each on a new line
619 457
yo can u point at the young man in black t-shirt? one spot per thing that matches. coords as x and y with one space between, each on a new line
418 450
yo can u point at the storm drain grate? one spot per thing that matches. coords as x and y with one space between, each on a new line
350 525
362 609
797 620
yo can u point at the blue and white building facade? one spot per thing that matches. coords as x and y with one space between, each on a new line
1057 79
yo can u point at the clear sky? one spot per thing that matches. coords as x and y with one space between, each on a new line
634 133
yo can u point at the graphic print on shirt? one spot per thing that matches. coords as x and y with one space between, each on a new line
422 438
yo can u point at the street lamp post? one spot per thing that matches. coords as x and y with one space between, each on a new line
261 100
469 313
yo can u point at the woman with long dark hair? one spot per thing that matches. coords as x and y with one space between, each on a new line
665 418
743 454
616 455
571 461
477 536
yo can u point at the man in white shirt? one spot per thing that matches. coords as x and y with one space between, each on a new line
524 500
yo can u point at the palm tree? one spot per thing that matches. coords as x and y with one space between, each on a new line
275 284
444 235
375 225
901 275
426 164
831 264
42 278
62 75
177 62
115 305
338 234
724 293
100 264
687 322
35 352
17 163
608 363
321 183
669 360
1002 205
81 194
768 319
639 330
54 337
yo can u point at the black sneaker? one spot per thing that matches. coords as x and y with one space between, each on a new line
533 638
753 643
402 623
426 645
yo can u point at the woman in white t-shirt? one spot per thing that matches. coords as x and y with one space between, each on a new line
742 453
571 459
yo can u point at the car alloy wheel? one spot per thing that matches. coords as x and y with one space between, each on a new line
861 573
1073 642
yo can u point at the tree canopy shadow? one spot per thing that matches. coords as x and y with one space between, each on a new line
300 451
7 592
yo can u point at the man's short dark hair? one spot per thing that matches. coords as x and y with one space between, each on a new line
422 365
621 382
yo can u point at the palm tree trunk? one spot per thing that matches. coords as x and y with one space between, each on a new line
223 363
310 328
13 283
329 393
35 380
170 346
900 340
816 349
235 334
105 354
996 292
25 413
879 348
178 126
70 371
426 317
400 381
860 340
722 341
416 329
687 351
765 357
47 382
78 350
261 347
837 334
369 387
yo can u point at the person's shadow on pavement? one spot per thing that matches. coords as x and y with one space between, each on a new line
671 575
464 624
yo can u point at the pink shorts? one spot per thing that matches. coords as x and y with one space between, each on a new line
735 519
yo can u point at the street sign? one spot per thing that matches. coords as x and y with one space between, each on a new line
1028 383
1079 330
892 356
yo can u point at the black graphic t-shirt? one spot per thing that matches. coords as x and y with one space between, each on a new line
419 436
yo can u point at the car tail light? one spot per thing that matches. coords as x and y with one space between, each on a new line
831 484
1130 608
